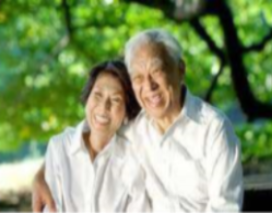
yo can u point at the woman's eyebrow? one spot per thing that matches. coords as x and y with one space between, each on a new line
117 92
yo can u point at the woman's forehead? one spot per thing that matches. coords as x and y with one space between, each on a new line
108 81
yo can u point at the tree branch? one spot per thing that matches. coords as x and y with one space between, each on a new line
200 30
67 17
208 96
166 6
259 46
251 106
95 24
1 2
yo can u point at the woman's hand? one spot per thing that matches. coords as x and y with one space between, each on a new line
41 195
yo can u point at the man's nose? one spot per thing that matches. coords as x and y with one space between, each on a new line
150 84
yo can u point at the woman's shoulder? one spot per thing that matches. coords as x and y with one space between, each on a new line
64 136
62 140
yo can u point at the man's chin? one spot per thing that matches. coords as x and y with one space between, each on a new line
155 113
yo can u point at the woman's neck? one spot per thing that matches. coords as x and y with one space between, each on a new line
95 143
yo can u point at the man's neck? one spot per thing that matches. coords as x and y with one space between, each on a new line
163 124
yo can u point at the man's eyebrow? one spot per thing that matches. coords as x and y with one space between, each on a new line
133 74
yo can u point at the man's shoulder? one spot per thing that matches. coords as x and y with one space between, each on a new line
219 131
207 113
128 131
122 145
141 120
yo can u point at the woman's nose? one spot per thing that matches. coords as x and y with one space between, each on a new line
105 104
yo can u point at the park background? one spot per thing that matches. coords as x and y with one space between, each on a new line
48 47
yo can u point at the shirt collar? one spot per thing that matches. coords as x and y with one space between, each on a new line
190 107
109 148
77 143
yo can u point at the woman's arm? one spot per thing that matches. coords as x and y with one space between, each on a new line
46 188
41 195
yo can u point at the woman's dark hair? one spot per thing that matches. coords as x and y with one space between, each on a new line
117 69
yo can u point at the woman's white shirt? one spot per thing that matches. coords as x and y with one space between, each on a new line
113 182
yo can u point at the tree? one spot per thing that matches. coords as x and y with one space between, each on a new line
47 48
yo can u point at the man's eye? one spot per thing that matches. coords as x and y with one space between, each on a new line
157 72
137 79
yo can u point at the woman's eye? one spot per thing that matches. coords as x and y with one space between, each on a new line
116 100
97 95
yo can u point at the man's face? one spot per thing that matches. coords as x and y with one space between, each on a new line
156 80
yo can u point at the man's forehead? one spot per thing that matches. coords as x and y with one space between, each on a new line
143 63
152 49
149 56
154 61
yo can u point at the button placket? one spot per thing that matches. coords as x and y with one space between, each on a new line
99 171
90 175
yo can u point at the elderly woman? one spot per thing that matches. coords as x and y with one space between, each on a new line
89 167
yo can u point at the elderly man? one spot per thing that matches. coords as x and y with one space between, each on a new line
187 148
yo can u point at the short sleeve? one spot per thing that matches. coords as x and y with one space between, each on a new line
52 175
224 172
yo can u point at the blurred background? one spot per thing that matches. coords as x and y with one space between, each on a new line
48 47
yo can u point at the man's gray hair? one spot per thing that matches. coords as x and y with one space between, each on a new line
153 36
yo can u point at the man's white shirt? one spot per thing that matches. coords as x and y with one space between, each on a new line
113 182
195 166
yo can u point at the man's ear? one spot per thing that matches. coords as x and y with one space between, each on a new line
182 69
182 66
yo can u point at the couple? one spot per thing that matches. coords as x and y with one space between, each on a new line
177 154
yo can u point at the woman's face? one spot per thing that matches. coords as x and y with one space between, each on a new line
105 108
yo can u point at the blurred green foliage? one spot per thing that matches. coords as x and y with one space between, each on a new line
43 68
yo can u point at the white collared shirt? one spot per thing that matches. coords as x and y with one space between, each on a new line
114 182
195 165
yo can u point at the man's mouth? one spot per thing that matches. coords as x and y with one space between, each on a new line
154 101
